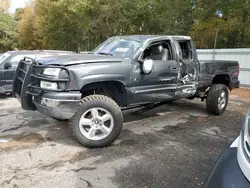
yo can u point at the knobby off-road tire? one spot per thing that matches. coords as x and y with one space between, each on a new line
217 99
97 122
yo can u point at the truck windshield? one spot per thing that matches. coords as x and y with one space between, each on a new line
118 47
4 56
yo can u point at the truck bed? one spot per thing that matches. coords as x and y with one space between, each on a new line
209 69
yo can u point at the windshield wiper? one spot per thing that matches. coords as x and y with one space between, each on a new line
105 53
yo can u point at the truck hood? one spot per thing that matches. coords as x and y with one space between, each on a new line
66 60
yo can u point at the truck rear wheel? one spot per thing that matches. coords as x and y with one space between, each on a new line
217 99
97 122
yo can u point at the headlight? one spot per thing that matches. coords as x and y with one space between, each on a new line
56 73
63 75
52 72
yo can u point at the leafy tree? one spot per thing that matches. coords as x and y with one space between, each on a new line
7 27
203 33
230 17
68 31
74 24
4 6
18 14
7 32
53 25
238 13
109 17
26 28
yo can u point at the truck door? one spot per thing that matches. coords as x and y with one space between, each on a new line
189 68
161 83
3 59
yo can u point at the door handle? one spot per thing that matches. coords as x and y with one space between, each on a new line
173 68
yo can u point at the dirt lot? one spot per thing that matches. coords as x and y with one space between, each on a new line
241 93
172 146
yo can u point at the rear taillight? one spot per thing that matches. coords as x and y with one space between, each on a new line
236 74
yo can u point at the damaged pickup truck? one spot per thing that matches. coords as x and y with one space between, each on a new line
92 89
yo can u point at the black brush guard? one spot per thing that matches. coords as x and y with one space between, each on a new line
26 82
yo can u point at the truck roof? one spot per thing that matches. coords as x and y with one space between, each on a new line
41 51
142 38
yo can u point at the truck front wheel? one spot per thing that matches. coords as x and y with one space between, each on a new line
217 99
97 122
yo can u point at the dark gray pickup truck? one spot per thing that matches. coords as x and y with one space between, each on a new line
92 89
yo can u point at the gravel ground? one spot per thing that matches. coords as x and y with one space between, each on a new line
173 146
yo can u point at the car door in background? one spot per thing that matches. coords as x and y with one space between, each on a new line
8 73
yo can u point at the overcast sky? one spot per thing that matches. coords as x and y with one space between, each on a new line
17 4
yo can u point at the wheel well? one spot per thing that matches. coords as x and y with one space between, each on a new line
113 89
222 79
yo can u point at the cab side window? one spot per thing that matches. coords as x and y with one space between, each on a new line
186 49
159 51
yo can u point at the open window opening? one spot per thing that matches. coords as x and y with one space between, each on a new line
187 70
186 50
160 51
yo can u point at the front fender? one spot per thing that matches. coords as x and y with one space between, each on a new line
77 83
81 75
85 80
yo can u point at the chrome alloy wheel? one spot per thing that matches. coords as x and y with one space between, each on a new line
96 124
222 100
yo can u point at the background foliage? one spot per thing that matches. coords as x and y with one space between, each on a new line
83 24
7 27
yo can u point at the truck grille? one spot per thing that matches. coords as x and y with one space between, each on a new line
26 82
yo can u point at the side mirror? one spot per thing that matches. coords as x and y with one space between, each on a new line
147 66
7 65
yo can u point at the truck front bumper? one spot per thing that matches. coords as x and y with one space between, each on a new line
62 105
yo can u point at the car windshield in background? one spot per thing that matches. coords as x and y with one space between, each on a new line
118 47
5 56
